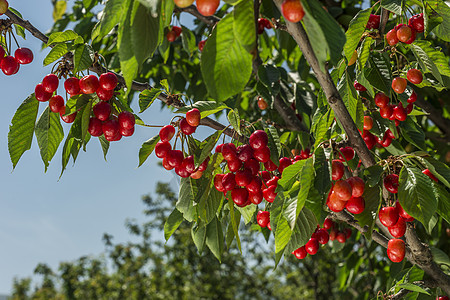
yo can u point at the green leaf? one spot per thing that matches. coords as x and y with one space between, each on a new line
306 182
144 32
364 52
431 58
234 223
443 197
355 31
438 169
412 287
372 199
442 30
147 149
322 180
290 174
274 144
321 124
226 64
209 146
59 9
206 108
416 194
85 118
244 25
235 120
20 31
396 6
72 145
247 212
172 223
413 133
379 75
105 145
147 97
188 41
214 238
111 15
83 58
373 175
305 226
348 94
425 62
21 129
324 33
49 134
61 37
56 53
128 61
282 234
186 196
199 236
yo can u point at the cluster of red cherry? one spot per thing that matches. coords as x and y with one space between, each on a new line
345 193
9 64
406 33
173 33
205 7
321 237
263 23
174 159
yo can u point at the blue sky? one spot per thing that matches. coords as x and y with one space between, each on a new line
46 220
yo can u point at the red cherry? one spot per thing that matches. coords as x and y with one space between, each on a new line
102 111
391 183
334 203
108 81
182 172
404 32
258 139
245 152
234 165
174 158
270 166
255 184
186 128
322 236
72 86
126 120
265 175
269 193
239 196
374 22
386 142
337 169
359 87
253 165
386 111
196 175
273 181
2 52
193 117
162 148
388 216
9 65
229 182
355 205
398 230
368 122
442 298
255 198
23 56
218 182
50 83
126 132
412 98
284 163
183 3
95 127
399 85
328 224
414 76
333 234
104 95
201 45
263 218
348 153
409 109
357 185
177 30
111 129
343 190
188 164
391 37
40 93
396 250
417 22
381 100
55 104
171 36
300 253
229 152
243 177
369 139
292 10
429 174
89 84
69 118
390 134
166 133
204 165
262 154
166 164
413 37
207 7
400 112
341 237
312 246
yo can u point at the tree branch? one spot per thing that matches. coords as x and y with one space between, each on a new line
192 9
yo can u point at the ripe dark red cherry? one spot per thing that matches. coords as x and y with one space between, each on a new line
244 152
391 37
40 93
400 112
204 165
186 128
255 184
270 165
337 169
284 163
292 10
102 111
396 250
404 32
182 172
359 87
229 152
2 52
188 164
412 98
374 22
103 94
23 56
334 203
417 22
175 158
201 44
369 139
218 182
108 81
111 129
89 84
126 132
414 76
50 83
171 36
312 246
381 100
239 196
166 165
55 104
166 133
341 237
72 86
255 198
253 165
269 193
262 154
95 127
243 177
234 164
162 148
346 152
442 298
328 224
229 182
429 174
388 216
322 236
391 183
355 205
193 117
126 120
258 139
207 7
343 190
263 218
399 85
386 111
273 181
357 185
300 253
398 230
9 65
69 118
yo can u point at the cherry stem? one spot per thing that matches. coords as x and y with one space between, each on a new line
153 126
14 37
